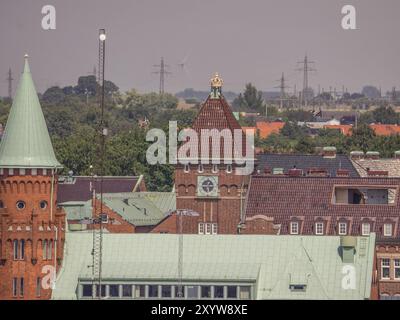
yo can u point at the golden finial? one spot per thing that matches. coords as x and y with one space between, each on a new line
216 81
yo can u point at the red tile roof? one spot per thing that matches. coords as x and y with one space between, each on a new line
283 198
385 129
217 114
345 129
265 129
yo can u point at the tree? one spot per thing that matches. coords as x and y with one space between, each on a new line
250 100
293 130
362 138
54 95
371 92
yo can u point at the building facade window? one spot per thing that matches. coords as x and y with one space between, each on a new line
365 229
231 292
15 287
218 292
126 290
113 290
319 228
43 204
208 228
186 168
397 269
166 291
342 228
206 292
87 291
294 227
45 245
244 292
200 168
22 250
214 228
193 292
229 168
140 291
388 229
16 249
38 287
201 228
153 291
21 287
385 268
20 205
215 168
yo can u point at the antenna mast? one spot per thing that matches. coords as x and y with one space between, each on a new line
99 217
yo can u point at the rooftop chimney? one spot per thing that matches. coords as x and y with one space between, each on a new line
347 248
329 152
343 173
372 155
377 173
356 155
317 172
295 172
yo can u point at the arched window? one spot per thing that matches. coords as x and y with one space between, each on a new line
50 250
45 242
15 249
22 250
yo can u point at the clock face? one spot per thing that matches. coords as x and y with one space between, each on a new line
207 186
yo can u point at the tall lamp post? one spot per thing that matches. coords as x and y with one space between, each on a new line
180 213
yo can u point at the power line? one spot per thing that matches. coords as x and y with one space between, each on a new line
306 68
10 80
162 72
282 88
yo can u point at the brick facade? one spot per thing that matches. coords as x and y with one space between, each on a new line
34 228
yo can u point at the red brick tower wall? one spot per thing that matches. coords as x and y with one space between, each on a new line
33 225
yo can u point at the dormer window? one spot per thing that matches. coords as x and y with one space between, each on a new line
388 229
319 228
294 227
342 228
365 228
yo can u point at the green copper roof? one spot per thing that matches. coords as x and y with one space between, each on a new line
26 142
271 264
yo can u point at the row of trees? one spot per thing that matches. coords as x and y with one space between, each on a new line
295 139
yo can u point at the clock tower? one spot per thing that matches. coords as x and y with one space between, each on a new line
31 226
210 183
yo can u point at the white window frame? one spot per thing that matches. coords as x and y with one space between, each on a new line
292 224
214 228
365 225
385 231
385 266
317 224
201 228
208 228
396 267
340 231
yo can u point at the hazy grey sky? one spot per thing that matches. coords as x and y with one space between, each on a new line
245 40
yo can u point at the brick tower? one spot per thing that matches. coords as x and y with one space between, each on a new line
31 226
215 191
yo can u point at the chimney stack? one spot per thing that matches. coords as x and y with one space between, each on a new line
356 155
329 152
372 155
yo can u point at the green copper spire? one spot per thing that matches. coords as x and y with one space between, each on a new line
26 142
